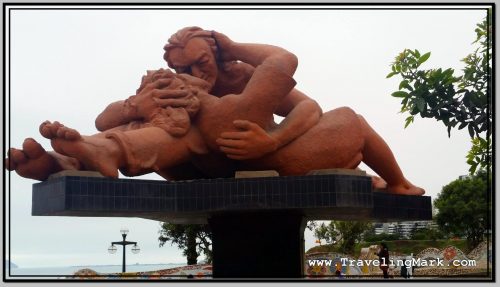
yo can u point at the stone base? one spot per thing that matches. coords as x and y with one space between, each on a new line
343 171
257 223
317 197
82 173
256 173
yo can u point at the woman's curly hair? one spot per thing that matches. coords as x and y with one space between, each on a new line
176 117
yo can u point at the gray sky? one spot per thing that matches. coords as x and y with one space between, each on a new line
68 65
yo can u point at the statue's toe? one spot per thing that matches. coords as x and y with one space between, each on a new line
32 148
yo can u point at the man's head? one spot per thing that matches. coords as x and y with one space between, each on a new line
193 51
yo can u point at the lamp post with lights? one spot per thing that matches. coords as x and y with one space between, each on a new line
112 249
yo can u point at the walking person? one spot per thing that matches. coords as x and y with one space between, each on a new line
383 256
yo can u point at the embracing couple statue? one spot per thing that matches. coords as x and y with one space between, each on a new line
213 117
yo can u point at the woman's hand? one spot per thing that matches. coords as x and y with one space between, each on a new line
249 143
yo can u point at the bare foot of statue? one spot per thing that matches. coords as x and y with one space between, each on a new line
406 188
95 153
33 161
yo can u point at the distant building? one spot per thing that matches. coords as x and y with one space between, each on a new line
404 228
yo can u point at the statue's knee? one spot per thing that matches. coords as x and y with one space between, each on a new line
356 160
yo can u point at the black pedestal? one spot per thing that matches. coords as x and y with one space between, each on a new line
258 244
258 223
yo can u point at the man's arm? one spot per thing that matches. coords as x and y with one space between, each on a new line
257 54
301 113
252 141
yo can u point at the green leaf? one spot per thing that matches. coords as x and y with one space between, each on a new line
471 130
391 74
446 119
399 94
417 53
424 58
472 168
448 72
414 110
408 121
405 84
462 125
479 119
420 102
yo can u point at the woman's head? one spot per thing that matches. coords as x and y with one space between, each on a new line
193 51
176 111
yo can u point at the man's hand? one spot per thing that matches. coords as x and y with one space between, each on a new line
249 143
225 46
155 95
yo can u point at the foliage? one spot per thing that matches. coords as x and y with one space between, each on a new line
311 225
347 233
415 246
381 237
479 154
327 233
456 100
333 248
192 239
427 234
464 208
399 246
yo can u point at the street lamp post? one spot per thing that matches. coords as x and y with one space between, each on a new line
135 248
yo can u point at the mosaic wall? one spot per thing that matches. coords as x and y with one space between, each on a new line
201 271
481 254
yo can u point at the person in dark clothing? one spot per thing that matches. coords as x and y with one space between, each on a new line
383 256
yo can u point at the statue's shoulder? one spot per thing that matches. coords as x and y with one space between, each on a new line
236 68
233 78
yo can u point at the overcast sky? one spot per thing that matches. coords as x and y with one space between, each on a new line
69 65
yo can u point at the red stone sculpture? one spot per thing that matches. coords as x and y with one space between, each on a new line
214 122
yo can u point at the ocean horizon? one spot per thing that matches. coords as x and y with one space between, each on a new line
105 269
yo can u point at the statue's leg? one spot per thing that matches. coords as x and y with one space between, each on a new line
378 156
33 161
149 150
94 152
152 149
134 152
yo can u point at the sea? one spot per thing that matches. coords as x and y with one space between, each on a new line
70 270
